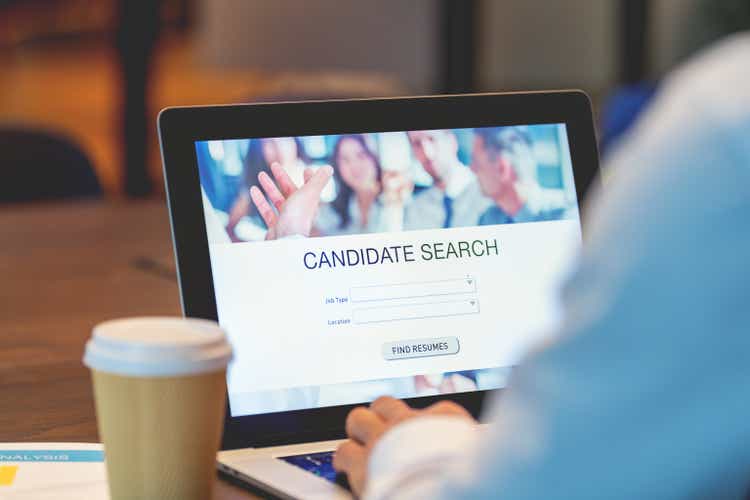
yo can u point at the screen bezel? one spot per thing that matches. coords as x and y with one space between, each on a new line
180 127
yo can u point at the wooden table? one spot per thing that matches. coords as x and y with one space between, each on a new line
64 268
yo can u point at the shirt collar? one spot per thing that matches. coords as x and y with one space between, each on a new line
458 178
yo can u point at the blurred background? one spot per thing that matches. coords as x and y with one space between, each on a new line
81 81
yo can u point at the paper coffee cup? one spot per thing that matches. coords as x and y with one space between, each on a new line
160 395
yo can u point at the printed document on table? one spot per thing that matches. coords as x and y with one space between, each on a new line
63 471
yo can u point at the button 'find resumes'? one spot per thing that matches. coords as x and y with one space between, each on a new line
418 348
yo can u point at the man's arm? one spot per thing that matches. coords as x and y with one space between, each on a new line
642 395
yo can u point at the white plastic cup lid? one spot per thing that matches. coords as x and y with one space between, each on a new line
157 347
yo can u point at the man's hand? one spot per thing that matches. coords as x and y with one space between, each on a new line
296 207
396 187
364 426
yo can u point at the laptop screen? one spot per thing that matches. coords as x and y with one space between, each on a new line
409 263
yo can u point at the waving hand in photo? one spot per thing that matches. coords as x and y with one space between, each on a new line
296 207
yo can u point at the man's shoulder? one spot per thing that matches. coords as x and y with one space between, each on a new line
556 213
526 214
708 96
493 215
716 78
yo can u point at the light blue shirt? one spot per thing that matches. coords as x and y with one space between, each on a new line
646 392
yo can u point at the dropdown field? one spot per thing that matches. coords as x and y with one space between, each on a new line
415 311
412 290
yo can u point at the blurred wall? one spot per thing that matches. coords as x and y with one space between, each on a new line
523 44
543 44
395 37
667 33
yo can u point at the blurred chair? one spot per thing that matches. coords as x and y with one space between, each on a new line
621 110
36 165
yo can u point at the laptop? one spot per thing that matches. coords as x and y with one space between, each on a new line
411 247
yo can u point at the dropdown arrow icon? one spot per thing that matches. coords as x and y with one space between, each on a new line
469 281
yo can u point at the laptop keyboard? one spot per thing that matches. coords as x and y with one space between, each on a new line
320 464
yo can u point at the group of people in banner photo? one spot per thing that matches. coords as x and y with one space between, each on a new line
269 188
